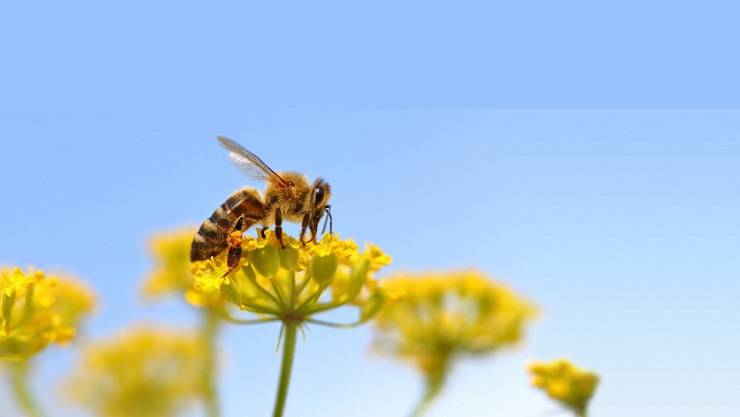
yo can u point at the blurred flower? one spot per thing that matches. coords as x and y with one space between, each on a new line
142 372
565 383
296 282
432 319
172 275
38 310
172 272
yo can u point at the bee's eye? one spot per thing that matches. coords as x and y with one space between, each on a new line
318 195
290 183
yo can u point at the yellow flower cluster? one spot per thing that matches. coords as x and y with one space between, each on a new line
565 383
37 310
143 372
296 281
432 318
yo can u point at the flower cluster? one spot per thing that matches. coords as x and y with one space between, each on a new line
296 281
144 372
431 319
565 383
38 310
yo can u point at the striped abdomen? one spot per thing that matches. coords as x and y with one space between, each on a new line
211 237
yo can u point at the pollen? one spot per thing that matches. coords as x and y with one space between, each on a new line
234 239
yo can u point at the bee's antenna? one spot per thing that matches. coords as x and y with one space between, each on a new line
329 220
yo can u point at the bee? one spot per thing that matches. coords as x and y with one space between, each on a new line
287 196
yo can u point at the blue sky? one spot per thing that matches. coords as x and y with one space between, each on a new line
237 54
621 224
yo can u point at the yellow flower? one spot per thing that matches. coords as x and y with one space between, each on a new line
293 283
37 310
297 281
435 318
143 372
172 272
565 383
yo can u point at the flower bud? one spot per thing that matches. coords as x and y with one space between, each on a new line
266 260
289 257
323 268
8 301
358 277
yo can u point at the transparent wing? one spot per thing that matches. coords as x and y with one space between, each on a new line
250 163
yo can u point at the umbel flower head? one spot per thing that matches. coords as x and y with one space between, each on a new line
297 281
38 310
172 271
143 372
433 319
291 283
565 383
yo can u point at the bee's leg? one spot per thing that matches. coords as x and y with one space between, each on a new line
304 225
279 226
234 240
314 228
262 232
233 257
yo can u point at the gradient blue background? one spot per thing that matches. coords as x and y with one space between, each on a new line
227 54
622 225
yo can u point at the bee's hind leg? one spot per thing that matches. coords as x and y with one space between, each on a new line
234 240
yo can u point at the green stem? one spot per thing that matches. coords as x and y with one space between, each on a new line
209 332
337 325
423 405
434 384
291 329
230 319
19 384
426 401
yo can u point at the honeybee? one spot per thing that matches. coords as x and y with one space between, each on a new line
287 196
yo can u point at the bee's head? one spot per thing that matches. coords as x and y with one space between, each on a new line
320 194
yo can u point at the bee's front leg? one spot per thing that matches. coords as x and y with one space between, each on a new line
279 226
304 226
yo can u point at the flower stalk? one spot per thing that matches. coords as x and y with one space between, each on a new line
290 331
209 333
425 403
19 384
433 387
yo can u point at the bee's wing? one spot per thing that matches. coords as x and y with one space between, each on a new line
250 163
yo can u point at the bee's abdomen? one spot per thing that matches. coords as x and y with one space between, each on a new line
211 237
